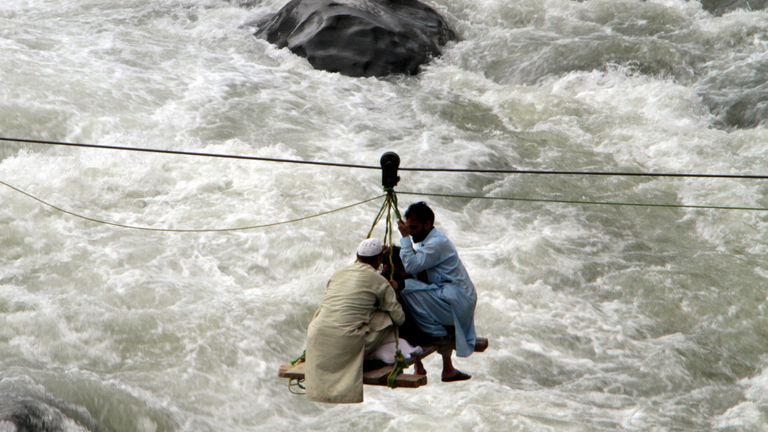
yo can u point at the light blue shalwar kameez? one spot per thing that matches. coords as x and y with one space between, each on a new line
449 299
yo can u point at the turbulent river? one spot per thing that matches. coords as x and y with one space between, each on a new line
601 317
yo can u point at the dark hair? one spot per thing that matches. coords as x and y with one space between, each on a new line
421 212
398 263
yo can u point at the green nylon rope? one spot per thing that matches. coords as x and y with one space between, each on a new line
389 207
400 363
300 359
377 219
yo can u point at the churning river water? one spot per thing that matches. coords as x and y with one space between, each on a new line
600 317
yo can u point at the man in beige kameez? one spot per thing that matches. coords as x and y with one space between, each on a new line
358 312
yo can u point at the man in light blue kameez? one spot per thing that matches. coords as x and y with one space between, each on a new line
448 297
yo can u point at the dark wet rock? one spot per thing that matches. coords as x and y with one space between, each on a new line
738 109
359 37
736 92
27 414
720 7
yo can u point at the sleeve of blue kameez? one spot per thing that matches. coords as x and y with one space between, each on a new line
429 255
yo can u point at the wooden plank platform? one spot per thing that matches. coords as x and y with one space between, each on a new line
373 377
379 376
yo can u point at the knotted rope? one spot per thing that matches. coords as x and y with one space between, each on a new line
389 207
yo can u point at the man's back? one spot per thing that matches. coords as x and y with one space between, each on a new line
351 297
356 315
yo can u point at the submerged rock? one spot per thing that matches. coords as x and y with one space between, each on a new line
359 37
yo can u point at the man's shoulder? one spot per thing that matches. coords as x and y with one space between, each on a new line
365 269
347 269
437 237
358 273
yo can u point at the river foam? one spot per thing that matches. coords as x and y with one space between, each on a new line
600 317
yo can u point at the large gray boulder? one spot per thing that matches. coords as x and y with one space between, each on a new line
359 37
721 7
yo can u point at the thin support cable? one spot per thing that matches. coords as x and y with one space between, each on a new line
415 169
583 202
185 153
588 173
142 228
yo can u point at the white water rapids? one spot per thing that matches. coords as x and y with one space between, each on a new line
600 317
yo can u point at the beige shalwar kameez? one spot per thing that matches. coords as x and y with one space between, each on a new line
357 313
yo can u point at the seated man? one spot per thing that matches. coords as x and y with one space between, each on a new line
358 311
446 302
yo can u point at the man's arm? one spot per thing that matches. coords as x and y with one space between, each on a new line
428 256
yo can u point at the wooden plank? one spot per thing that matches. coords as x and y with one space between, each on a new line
291 371
379 377
406 380
481 344
375 377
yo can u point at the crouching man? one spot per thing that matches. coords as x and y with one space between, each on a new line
357 313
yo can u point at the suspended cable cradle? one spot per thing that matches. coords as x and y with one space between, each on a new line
392 375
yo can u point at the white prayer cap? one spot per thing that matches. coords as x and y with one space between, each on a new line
370 247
